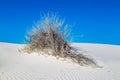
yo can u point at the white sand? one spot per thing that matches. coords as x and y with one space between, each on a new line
18 66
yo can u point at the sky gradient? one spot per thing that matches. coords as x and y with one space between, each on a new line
92 21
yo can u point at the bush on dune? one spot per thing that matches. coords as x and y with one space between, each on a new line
50 34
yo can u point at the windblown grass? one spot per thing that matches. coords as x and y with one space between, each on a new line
50 34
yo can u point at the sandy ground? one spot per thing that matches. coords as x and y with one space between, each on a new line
22 66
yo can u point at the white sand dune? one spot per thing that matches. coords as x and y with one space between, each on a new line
18 66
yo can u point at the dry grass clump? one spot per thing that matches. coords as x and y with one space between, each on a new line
50 34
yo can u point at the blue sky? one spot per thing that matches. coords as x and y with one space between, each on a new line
92 21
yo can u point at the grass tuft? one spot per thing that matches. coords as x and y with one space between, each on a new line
50 34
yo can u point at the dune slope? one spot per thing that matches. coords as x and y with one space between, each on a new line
17 66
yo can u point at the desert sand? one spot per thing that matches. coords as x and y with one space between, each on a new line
22 66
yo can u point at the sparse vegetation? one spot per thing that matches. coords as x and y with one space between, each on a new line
49 36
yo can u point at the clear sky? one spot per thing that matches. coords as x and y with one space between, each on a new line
92 21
